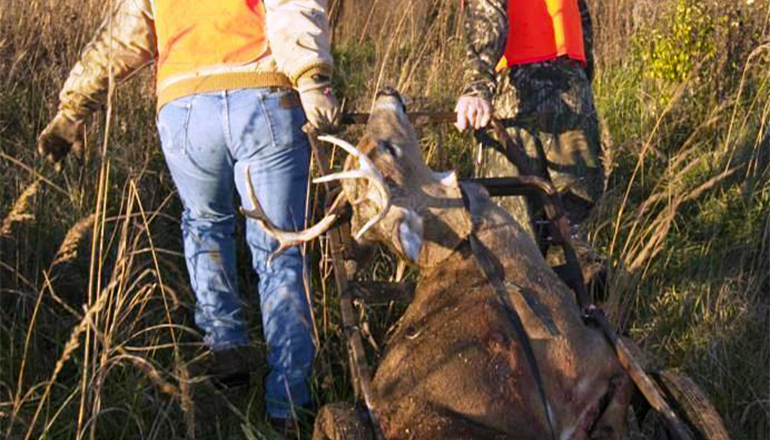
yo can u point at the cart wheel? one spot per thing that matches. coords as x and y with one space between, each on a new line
690 403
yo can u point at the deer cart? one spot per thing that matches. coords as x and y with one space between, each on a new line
667 405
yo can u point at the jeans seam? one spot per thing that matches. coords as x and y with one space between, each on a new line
187 125
226 121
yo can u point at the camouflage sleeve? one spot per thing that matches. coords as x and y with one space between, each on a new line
124 42
588 37
486 30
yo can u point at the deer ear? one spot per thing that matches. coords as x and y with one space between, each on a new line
410 234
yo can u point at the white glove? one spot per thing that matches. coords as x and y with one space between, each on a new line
473 112
321 106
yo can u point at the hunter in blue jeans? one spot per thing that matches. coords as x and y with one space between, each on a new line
231 92
208 141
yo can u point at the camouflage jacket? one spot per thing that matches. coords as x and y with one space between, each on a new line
486 28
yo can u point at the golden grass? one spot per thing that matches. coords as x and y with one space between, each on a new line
68 250
21 211
686 220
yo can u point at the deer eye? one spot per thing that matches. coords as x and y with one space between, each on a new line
391 149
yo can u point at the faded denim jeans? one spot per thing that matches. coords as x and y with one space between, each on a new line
208 141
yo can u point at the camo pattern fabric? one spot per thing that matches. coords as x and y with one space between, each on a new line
548 108
485 25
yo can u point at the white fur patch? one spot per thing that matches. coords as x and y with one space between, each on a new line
446 178
390 104
410 235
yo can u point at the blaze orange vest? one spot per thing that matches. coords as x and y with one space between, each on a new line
540 30
197 38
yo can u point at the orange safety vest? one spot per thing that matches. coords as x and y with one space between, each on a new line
195 37
541 30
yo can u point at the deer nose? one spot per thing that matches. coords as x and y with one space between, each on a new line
388 91
390 95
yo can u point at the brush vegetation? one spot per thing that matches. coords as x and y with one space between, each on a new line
96 332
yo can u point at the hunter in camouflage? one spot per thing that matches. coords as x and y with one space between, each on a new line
547 107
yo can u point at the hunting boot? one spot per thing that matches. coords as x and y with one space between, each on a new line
299 422
223 390
287 428
232 367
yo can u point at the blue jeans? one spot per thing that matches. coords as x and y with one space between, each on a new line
208 140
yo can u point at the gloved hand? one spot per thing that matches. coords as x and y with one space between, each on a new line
321 106
58 138
472 111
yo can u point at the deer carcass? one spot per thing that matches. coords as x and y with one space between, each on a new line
457 367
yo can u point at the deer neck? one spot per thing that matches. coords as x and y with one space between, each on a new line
447 222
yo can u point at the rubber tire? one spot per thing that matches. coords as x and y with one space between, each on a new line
690 403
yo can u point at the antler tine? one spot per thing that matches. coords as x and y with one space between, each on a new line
287 239
352 174
345 145
363 159
372 221
367 171
256 213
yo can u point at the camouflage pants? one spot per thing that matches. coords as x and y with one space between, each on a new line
548 109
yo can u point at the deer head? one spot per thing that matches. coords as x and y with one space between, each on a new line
397 199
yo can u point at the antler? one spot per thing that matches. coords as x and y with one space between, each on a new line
287 239
367 171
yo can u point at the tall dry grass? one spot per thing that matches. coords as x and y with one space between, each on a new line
686 216
96 338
